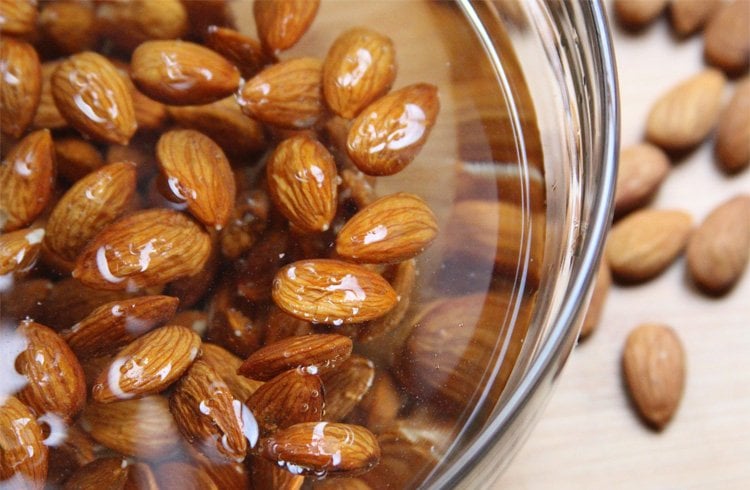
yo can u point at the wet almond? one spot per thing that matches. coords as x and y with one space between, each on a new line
18 17
24 456
346 386
68 26
21 89
131 23
281 23
226 365
76 158
19 250
245 52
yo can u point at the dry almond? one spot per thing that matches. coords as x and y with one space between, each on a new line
56 381
653 363
143 428
688 16
281 23
226 365
718 250
388 134
332 291
147 365
47 116
18 17
76 158
636 14
288 94
245 52
733 135
144 249
601 287
175 475
89 206
23 459
359 68
113 325
392 229
21 89
19 250
727 37
68 26
198 172
93 98
268 474
129 24
643 168
302 182
323 447
346 386
27 179
684 116
182 73
646 242
208 415
316 353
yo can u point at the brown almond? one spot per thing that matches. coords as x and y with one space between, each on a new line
359 68
27 178
76 158
111 472
245 52
718 250
346 386
636 14
394 228
147 365
646 242
281 325
23 459
332 291
302 182
182 73
332 448
131 23
230 326
197 171
176 475
76 451
601 286
47 116
68 26
267 474
390 132
18 17
224 474
727 37
281 23
226 365
143 428
733 135
686 114
19 250
643 168
208 415
21 89
249 220
688 16
149 114
113 325
288 94
316 353
144 249
653 364
379 407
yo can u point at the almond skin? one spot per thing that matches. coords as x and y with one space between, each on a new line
131 23
316 353
144 249
718 250
359 68
645 243
346 386
147 365
109 472
684 116
733 135
182 73
24 455
21 89
688 16
18 17
301 177
198 171
226 365
245 52
332 291
394 228
76 158
19 250
389 133
636 14
47 116
93 98
643 168
281 23
727 37
653 364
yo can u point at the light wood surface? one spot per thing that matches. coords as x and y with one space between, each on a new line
588 436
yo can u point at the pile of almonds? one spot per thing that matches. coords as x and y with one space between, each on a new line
644 242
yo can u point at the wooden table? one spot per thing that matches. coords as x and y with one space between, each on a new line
588 436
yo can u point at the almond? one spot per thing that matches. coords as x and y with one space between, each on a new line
198 172
19 250
208 415
147 365
21 89
149 114
359 68
288 94
281 325
636 14
111 472
131 23
113 325
68 26
727 37
733 135
646 242
175 475
56 381
688 16
230 327
248 221
281 23
76 158
47 116
302 182
226 365
182 73
379 407
601 287
143 428
683 117
331 448
392 229
90 205
245 52
653 364
27 178
223 474
316 353
346 386
332 291
389 133
75 451
267 474
140 476
23 459
643 168
717 253
18 17
144 249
